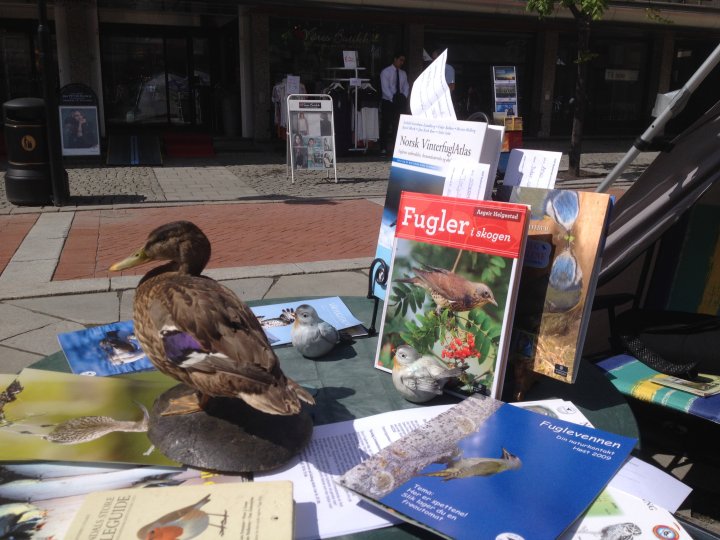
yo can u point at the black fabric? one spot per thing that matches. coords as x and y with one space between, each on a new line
672 342
400 102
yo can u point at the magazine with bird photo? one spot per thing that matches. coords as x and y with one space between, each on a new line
559 276
452 289
485 469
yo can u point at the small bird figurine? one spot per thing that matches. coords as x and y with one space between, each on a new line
312 336
420 378
469 467
451 291
197 331
182 524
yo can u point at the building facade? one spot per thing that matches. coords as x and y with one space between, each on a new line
213 65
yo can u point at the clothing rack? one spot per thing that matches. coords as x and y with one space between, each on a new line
356 70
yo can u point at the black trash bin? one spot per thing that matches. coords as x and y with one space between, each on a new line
27 179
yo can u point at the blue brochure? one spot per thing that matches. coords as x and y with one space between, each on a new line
488 470
109 349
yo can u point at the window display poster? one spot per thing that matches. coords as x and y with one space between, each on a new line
350 59
79 131
311 135
505 90
292 84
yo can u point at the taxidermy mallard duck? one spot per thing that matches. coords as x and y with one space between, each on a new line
197 331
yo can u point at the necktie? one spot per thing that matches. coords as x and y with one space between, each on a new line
397 81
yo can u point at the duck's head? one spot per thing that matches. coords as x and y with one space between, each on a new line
181 242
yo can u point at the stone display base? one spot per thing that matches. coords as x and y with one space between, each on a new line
229 436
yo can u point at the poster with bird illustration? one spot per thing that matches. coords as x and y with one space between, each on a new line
559 275
453 282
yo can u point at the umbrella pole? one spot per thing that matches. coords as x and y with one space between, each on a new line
677 104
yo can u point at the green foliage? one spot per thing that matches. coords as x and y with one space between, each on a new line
656 16
591 9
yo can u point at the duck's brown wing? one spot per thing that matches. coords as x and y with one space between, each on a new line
213 342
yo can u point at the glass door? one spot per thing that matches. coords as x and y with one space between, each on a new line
134 80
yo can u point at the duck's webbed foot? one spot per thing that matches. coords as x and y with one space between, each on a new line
189 403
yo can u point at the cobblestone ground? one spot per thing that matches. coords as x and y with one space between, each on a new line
266 173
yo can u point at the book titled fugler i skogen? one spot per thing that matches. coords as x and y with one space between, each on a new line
484 469
453 280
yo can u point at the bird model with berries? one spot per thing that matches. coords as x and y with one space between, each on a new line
451 291
420 378
312 336
199 332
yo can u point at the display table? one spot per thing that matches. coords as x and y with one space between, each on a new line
347 386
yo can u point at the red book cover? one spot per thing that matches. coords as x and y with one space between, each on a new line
453 282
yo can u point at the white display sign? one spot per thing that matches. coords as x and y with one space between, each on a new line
350 59
292 84
311 133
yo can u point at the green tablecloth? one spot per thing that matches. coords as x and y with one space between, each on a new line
348 386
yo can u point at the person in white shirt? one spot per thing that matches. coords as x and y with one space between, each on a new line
395 93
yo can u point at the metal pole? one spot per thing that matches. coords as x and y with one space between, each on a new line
58 176
676 105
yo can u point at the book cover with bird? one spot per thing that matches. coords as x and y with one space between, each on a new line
488 470
262 510
559 275
453 280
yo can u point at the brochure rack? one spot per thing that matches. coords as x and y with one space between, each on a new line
311 134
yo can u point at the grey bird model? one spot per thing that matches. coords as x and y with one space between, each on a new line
420 378
310 335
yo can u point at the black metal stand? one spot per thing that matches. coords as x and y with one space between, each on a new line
378 274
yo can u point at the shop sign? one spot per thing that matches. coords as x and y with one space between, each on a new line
630 75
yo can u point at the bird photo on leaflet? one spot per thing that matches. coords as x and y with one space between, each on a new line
312 336
199 332
477 466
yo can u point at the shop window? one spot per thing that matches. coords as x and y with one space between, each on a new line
310 48
147 80
617 86
16 63
473 54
